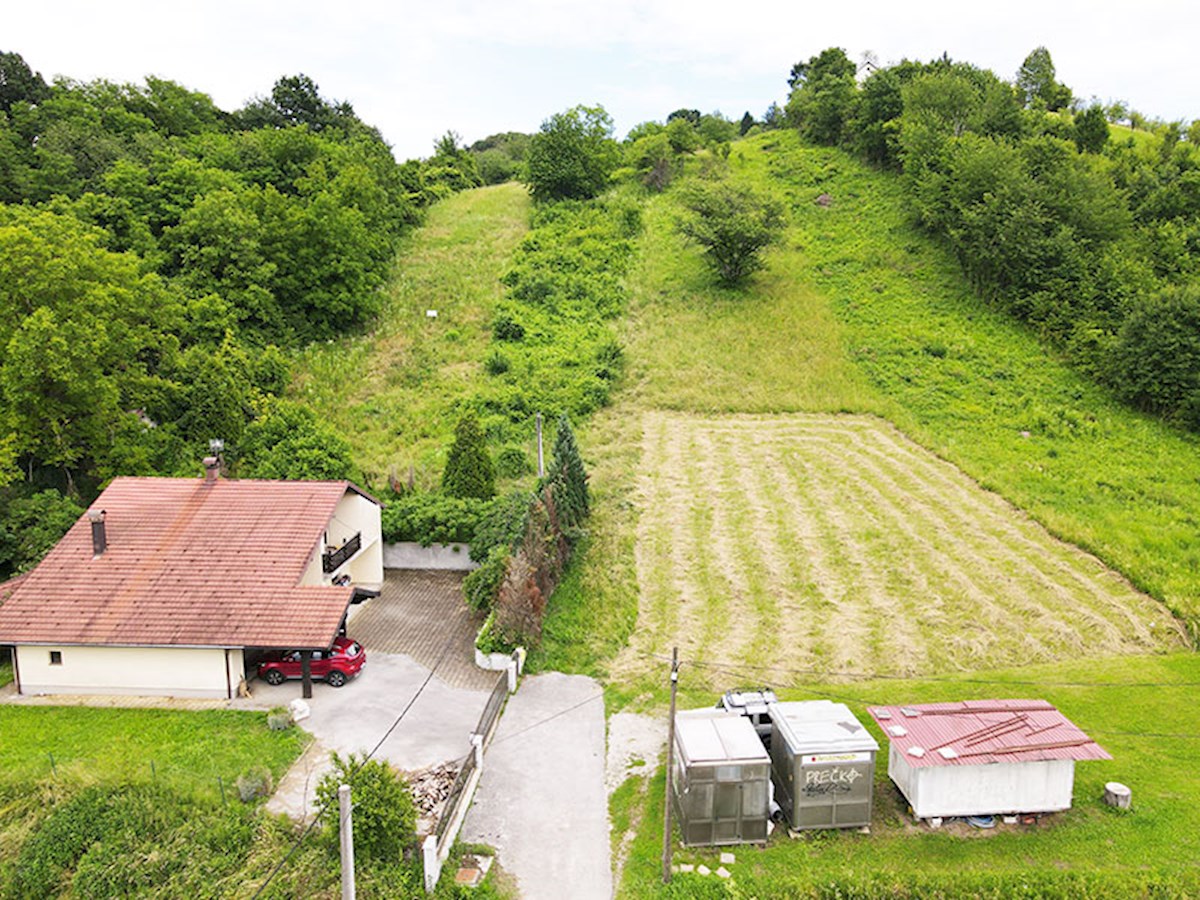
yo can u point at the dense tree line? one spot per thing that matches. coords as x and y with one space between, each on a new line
157 257
1090 236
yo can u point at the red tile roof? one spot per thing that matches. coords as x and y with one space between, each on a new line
974 732
187 564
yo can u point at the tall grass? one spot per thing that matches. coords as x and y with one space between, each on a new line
393 392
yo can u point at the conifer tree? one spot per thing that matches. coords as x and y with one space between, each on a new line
469 471
569 476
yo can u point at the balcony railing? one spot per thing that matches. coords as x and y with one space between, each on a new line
333 559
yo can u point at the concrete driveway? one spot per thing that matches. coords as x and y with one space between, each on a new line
421 612
541 801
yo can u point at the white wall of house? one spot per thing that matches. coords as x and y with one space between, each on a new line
142 671
982 790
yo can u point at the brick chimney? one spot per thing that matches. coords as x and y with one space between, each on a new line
99 535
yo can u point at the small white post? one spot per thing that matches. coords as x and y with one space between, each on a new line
512 676
346 828
477 743
541 458
519 656
433 864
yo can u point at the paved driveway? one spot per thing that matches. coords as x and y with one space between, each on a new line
541 800
421 612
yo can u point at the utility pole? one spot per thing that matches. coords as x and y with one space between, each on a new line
541 458
346 833
666 857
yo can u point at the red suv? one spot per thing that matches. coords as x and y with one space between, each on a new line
336 665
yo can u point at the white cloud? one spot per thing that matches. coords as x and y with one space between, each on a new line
478 66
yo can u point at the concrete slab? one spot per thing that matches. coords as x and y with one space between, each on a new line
354 718
541 802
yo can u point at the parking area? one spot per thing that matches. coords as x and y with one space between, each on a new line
421 613
418 619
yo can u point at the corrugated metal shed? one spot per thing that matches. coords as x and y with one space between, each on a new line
970 732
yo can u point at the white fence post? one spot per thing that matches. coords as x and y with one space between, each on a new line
512 676
477 743
433 863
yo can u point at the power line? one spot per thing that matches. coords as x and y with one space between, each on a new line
299 842
880 676
540 722
844 698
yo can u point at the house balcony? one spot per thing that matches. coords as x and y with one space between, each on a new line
333 560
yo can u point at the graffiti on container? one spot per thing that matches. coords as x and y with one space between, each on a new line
832 780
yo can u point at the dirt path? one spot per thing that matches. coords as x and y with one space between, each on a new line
771 545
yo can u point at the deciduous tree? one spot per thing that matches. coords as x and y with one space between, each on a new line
732 223
572 155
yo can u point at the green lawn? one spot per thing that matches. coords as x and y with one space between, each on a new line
186 748
1148 725
392 392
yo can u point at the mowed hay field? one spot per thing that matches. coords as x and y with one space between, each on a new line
833 544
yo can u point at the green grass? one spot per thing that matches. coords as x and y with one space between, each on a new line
392 393
6 670
186 748
981 391
1091 850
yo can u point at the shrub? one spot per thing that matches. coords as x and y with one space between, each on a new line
254 783
733 224
502 524
430 518
385 818
469 471
280 719
480 587
513 462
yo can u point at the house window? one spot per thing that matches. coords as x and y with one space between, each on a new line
56 657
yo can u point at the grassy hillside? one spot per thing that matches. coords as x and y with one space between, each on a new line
980 390
860 312
392 393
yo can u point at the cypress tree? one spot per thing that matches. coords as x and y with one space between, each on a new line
469 471
569 476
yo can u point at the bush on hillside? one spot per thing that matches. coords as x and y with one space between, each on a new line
732 223
433 518
469 471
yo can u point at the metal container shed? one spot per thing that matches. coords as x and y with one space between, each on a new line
822 764
722 779
983 757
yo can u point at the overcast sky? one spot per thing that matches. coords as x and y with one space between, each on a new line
416 70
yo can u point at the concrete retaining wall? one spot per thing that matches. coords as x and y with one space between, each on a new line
455 557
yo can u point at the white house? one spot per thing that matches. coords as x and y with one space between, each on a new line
166 586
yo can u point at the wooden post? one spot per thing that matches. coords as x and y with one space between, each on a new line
666 857
346 833
306 673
